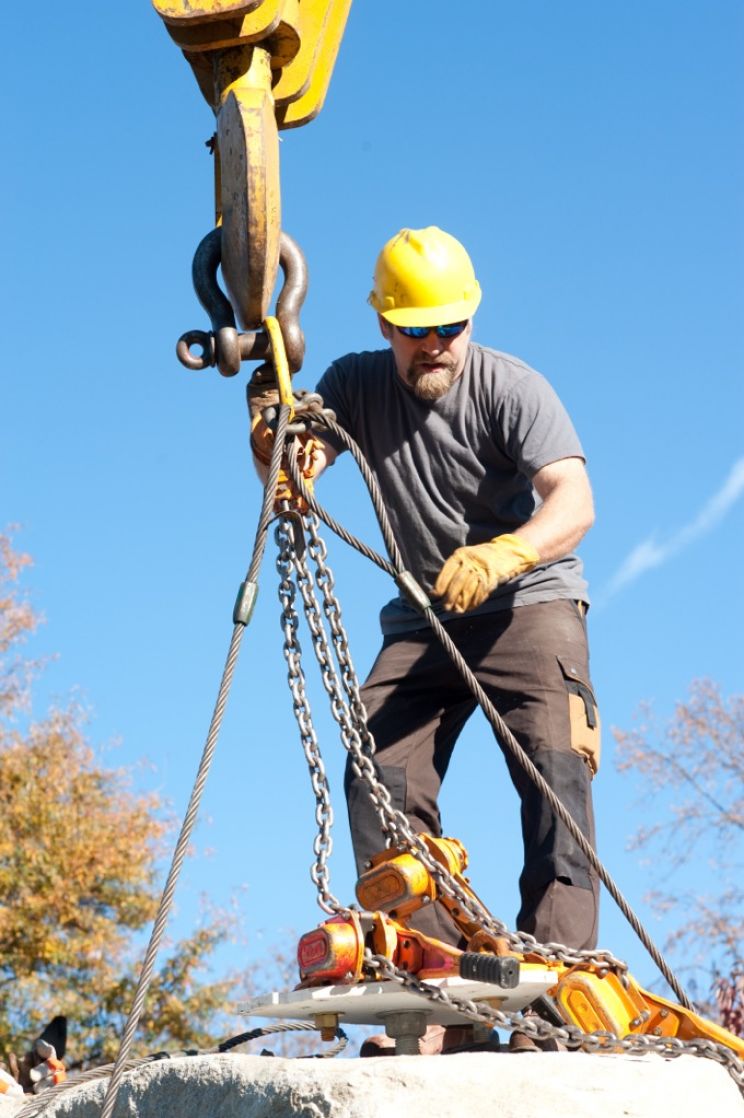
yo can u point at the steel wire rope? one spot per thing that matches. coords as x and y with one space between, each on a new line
503 734
353 541
393 823
353 726
37 1105
571 1035
306 409
179 854
288 559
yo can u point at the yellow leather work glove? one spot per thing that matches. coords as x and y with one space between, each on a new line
261 396
471 573
262 439
262 442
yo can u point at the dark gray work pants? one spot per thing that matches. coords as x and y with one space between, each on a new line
532 661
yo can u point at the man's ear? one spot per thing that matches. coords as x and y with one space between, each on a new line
385 328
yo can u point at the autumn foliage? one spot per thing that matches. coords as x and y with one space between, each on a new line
692 772
78 877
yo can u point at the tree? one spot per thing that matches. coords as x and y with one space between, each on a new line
78 868
693 773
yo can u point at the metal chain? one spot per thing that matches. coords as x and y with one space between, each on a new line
287 561
312 409
350 715
394 822
504 736
569 1035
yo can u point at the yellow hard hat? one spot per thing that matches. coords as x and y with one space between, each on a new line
424 277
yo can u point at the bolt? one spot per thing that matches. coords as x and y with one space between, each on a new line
327 1024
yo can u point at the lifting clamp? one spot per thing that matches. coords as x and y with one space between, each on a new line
592 999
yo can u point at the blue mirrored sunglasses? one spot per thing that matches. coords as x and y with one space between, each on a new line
451 330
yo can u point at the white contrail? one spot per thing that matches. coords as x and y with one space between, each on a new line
649 553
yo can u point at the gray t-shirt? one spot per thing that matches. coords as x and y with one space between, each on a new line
457 470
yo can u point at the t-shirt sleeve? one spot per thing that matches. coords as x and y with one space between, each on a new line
533 426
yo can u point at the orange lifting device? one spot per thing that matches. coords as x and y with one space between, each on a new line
593 998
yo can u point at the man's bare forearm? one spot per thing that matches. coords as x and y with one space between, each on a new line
566 513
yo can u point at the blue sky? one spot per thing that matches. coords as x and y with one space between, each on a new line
589 157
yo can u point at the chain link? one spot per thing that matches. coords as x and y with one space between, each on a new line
287 562
347 708
569 1035
352 715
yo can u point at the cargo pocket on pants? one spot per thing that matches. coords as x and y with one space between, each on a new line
583 715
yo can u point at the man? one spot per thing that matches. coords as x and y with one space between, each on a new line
484 481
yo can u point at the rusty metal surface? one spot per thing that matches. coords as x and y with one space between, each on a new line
248 153
291 298
223 345
196 11
276 24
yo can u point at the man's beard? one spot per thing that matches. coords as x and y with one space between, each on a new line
429 386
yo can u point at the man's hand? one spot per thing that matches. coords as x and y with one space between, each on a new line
472 573
50 1071
309 458
262 439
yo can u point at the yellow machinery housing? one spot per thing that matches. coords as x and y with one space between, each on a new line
262 65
